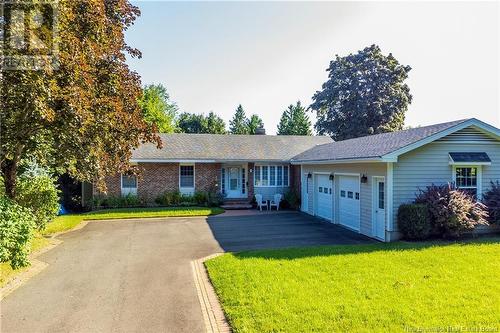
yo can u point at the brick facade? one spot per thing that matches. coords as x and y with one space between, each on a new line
207 176
295 178
250 185
157 178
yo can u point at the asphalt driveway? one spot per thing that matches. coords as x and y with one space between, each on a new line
135 275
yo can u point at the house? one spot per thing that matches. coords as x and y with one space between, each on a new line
357 183
239 166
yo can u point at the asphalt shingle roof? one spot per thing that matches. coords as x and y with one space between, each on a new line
372 146
228 147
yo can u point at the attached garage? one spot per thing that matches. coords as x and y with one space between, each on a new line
349 201
323 192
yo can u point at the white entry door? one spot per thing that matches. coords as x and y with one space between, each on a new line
349 199
379 206
324 197
234 182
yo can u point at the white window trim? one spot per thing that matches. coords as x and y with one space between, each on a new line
129 190
187 190
269 175
479 184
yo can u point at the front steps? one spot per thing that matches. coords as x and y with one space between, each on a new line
236 204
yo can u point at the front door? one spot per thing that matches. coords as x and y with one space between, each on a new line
234 183
379 206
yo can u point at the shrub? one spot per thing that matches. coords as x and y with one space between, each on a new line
128 201
16 231
215 199
40 194
169 199
201 198
452 211
492 200
291 199
414 221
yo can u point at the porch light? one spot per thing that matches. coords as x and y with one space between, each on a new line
364 179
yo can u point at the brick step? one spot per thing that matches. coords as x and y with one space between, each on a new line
236 204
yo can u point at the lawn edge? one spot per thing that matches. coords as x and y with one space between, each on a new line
211 308
17 280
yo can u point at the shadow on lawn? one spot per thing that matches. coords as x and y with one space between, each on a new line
293 235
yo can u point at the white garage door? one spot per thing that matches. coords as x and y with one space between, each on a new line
324 197
349 198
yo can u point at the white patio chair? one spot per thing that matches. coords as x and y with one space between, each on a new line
261 203
276 201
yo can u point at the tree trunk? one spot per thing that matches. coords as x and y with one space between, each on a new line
9 171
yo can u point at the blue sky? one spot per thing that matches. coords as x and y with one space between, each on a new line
212 56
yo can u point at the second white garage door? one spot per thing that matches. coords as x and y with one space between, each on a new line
324 197
349 198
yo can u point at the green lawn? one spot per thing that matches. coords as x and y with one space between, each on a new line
67 222
370 288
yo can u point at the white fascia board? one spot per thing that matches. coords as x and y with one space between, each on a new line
140 160
346 161
471 122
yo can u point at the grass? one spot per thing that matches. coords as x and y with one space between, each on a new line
68 222
366 288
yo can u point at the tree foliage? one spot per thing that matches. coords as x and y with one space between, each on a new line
254 123
239 123
199 123
84 116
365 94
158 109
295 121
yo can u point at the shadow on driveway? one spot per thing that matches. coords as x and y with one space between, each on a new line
262 230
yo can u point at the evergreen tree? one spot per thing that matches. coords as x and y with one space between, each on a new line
294 121
254 123
239 123
215 124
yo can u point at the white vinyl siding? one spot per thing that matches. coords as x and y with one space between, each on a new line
368 169
430 164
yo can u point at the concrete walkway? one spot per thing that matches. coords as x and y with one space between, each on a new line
135 275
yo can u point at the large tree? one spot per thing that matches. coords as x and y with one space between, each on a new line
294 121
239 123
199 123
82 117
365 94
254 123
158 109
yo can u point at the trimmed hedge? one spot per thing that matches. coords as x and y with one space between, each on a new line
16 232
414 222
492 200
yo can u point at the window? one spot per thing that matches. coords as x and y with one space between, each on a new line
187 176
265 175
243 181
357 195
342 194
350 194
285 176
320 189
381 199
129 185
466 179
257 180
279 177
271 175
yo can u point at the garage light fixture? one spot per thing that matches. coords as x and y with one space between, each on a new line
364 179
309 175
332 177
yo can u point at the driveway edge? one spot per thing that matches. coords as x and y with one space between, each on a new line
213 315
36 267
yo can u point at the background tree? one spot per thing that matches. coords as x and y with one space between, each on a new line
254 123
158 109
239 123
294 121
365 94
82 117
199 123
215 124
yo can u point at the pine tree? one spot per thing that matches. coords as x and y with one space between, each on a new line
239 123
294 121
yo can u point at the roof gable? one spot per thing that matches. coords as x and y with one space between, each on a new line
388 146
